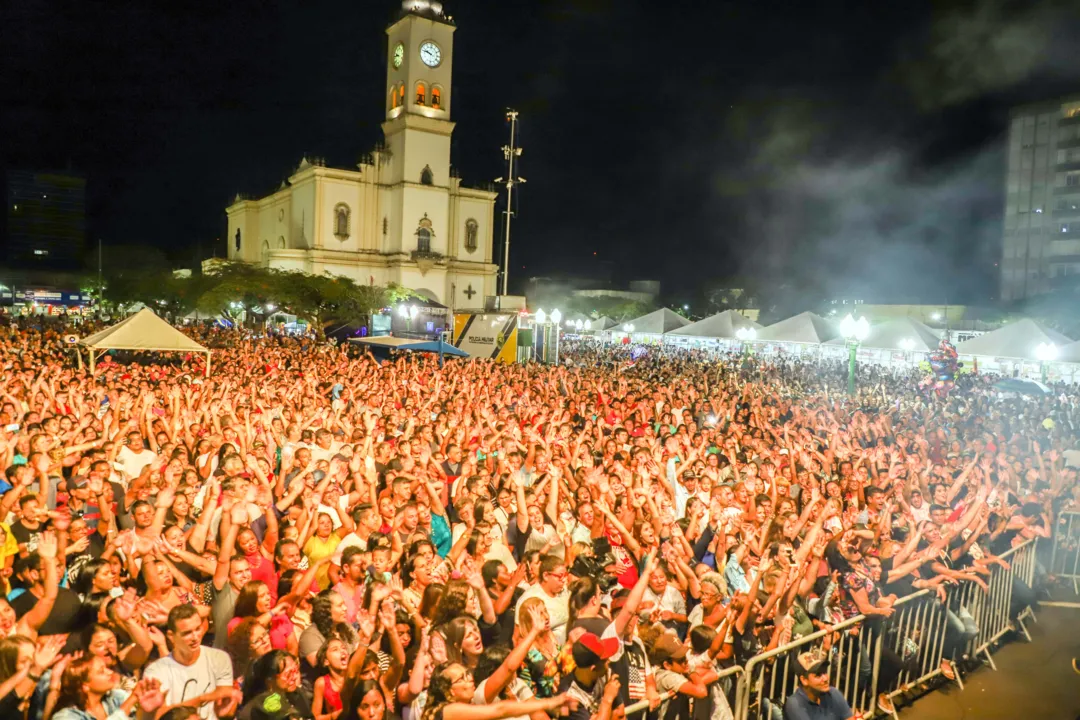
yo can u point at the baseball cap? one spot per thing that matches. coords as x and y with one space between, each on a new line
272 706
590 650
667 648
812 662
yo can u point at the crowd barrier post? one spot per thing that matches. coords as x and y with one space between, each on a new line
1065 553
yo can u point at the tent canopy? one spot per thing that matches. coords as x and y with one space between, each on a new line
1069 353
657 322
396 343
142 331
1015 340
889 336
721 325
803 328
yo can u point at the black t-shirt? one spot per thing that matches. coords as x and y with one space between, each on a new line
26 536
630 668
901 587
502 632
66 616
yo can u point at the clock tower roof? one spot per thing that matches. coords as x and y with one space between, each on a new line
430 9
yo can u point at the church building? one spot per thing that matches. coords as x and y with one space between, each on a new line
401 216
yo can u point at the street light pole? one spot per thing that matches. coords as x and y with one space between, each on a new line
509 153
854 331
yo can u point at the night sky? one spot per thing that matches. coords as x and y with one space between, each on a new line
855 148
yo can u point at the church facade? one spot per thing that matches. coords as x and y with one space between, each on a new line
401 216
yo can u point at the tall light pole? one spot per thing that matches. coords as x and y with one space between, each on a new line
556 319
854 331
1045 353
510 152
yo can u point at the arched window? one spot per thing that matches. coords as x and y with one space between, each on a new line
266 247
424 235
281 242
341 221
436 97
423 240
421 93
401 94
393 98
237 239
472 229
426 176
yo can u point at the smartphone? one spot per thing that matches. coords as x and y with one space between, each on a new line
13 427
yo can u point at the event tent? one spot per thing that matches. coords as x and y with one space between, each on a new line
1069 353
601 324
410 344
805 328
1015 340
142 331
720 326
892 335
658 322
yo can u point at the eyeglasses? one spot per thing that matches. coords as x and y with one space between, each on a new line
467 675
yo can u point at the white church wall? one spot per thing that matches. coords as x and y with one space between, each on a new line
302 222
421 200
480 211
336 192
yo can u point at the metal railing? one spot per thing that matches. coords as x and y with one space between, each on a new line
1065 555
909 646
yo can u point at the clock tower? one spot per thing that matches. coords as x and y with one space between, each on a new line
419 64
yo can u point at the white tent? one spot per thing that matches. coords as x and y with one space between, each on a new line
1069 353
805 328
722 326
658 322
142 331
894 334
1015 340
602 323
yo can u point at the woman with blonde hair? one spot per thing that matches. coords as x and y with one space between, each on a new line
540 668
450 697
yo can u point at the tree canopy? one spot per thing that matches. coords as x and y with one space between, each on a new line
238 288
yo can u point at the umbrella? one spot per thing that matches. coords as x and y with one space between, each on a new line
1022 387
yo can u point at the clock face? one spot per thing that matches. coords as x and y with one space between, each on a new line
399 55
430 54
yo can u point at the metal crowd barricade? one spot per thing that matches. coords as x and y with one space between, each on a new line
992 609
916 632
1065 555
769 678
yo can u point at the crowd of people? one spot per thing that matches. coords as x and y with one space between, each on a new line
312 533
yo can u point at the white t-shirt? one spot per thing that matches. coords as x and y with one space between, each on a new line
134 462
517 687
210 671
558 608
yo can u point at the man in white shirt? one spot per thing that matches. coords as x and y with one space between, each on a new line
134 456
194 676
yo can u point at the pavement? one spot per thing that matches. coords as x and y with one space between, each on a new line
1033 680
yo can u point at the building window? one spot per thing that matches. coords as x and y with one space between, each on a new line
281 242
237 239
472 228
266 247
1072 179
393 98
401 95
385 226
436 97
424 235
421 93
341 221
426 176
